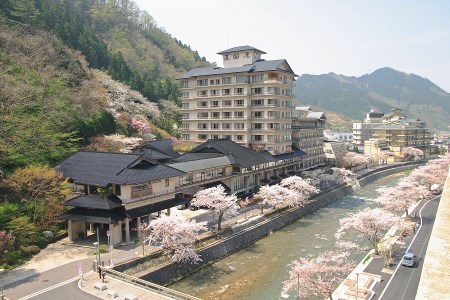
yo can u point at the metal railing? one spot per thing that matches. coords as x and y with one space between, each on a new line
150 286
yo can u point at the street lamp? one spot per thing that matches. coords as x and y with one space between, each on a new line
298 286
97 252
1 280
357 287
110 247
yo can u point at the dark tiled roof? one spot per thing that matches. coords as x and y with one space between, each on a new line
95 201
95 215
258 66
375 114
164 146
190 156
154 207
295 153
101 169
237 154
240 48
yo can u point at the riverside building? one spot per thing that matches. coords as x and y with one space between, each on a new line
248 101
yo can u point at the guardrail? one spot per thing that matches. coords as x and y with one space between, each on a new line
150 286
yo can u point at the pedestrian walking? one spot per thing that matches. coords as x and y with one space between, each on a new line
414 229
103 276
99 270
417 226
415 214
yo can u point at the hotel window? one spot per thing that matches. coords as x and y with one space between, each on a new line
215 136
211 82
186 136
226 103
202 126
238 103
257 114
215 115
185 105
257 91
202 93
239 137
258 102
239 114
241 79
214 92
273 102
226 80
166 182
239 126
185 126
214 103
203 115
226 115
184 84
226 126
202 82
185 95
215 126
202 136
239 91
226 92
257 78
257 138
270 138
202 104
185 116
257 126
227 136
217 81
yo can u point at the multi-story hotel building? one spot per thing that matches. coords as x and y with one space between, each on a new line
363 131
249 101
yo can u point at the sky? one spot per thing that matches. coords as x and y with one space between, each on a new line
346 37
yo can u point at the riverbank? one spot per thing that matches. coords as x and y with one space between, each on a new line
170 272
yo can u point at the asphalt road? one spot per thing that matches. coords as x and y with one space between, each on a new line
405 281
69 291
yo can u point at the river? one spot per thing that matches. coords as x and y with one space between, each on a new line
257 272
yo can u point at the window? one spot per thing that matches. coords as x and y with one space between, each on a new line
215 115
227 136
239 126
273 102
211 82
238 103
226 92
226 80
226 126
270 138
184 84
239 91
185 95
185 125
214 92
257 91
166 182
202 93
257 114
215 136
257 126
257 138
202 104
257 78
241 79
226 103
215 126
202 136
202 126
202 82
217 81
214 103
185 105
238 114
140 190
273 90
202 115
258 102
239 137
186 136
226 115
185 116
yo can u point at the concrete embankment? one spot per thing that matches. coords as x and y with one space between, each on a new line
249 233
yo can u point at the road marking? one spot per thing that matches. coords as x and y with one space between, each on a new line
50 288
417 232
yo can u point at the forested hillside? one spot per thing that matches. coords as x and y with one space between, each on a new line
53 103
382 90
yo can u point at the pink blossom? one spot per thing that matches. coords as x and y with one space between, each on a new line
353 159
434 172
141 126
216 199
317 276
176 236
412 152
369 223
302 191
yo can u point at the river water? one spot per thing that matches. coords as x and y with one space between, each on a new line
258 271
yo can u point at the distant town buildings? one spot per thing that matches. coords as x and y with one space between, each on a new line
249 101
334 151
338 136
363 131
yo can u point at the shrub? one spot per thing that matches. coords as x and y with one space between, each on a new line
30 250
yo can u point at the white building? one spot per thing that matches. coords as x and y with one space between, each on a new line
338 136
363 131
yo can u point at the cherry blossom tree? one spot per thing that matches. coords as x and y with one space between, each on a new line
411 152
434 172
402 196
353 159
317 276
217 200
338 176
371 224
140 126
382 156
274 195
176 236
303 189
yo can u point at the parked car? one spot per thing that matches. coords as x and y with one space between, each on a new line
409 260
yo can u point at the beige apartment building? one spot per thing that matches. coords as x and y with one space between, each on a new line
249 101
307 135
363 131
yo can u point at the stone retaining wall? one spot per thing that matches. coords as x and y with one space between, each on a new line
172 272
